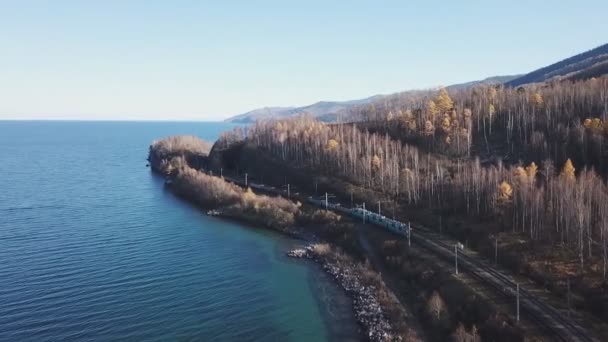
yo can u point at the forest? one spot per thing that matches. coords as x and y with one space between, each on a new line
528 162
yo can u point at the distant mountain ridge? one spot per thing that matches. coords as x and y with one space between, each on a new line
329 111
323 110
263 113
485 81
592 63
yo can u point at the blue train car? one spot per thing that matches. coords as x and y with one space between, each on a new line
371 217
380 220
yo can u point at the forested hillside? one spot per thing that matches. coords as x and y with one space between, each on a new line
588 64
527 163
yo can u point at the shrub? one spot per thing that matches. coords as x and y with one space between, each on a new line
210 191
461 334
436 306
321 249
325 217
163 152
180 144
204 189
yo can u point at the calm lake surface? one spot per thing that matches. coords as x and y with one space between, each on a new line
93 248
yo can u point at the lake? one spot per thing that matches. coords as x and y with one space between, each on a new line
94 248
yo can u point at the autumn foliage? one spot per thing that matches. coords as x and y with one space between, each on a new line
180 144
214 192
169 156
563 206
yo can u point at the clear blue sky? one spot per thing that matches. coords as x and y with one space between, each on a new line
206 60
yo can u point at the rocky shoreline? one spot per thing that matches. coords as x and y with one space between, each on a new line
368 310
172 164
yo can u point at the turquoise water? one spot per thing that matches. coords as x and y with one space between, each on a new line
93 248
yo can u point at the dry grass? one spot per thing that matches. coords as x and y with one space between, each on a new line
204 189
210 191
325 217
275 212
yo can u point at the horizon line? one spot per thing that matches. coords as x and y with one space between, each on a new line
112 120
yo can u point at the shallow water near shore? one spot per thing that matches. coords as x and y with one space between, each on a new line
94 248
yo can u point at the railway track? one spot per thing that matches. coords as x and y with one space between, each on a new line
543 314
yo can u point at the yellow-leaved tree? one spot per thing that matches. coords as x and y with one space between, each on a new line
526 175
332 145
587 123
521 175
531 171
491 110
538 100
375 162
446 123
454 115
406 173
568 171
505 191
444 102
248 196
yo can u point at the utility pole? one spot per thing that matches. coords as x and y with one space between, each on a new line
568 297
363 212
326 201
288 192
221 172
379 209
496 251
316 187
456 256
409 235
245 179
518 302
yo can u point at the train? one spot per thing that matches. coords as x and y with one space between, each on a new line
391 225
394 226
